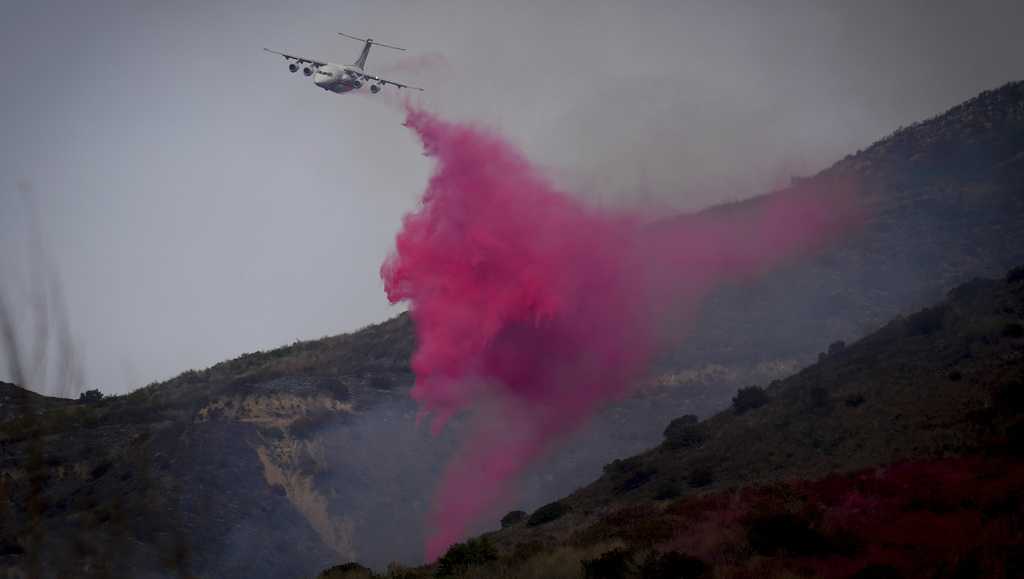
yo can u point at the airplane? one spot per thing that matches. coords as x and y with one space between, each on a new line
341 78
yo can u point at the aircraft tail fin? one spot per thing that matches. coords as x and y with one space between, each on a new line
361 62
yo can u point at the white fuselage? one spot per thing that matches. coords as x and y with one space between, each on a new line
335 78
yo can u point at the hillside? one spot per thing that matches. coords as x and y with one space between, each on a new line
280 463
15 401
946 203
196 474
901 452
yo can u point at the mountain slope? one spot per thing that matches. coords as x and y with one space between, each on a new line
946 203
278 463
211 473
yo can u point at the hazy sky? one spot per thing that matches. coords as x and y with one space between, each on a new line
199 201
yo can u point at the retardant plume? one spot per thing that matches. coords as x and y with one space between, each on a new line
533 309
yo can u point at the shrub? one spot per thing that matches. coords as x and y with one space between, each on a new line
90 396
1014 566
1015 438
836 347
785 533
1013 330
462 556
272 432
926 321
547 513
749 398
615 564
680 423
512 518
622 466
308 425
399 571
819 397
9 547
684 432
347 571
526 551
635 480
667 490
1008 397
673 565
700 477
877 571
854 400
100 469
640 525
1016 275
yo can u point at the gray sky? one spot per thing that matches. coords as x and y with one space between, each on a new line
199 201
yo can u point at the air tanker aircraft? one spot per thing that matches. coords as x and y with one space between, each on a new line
341 78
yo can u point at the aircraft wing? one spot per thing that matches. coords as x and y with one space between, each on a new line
380 80
301 59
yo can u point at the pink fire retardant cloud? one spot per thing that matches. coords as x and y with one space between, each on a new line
533 310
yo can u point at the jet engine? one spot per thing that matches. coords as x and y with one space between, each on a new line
308 70
293 65
357 84
375 88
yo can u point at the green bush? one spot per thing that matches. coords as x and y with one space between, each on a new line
876 571
622 465
1015 438
700 476
819 397
1016 275
1013 330
347 571
547 513
635 480
667 490
307 426
673 565
749 398
836 347
684 432
615 564
526 551
10 547
1008 397
855 400
926 321
512 518
462 556
785 533
90 396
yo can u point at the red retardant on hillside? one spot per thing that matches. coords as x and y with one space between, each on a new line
533 309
